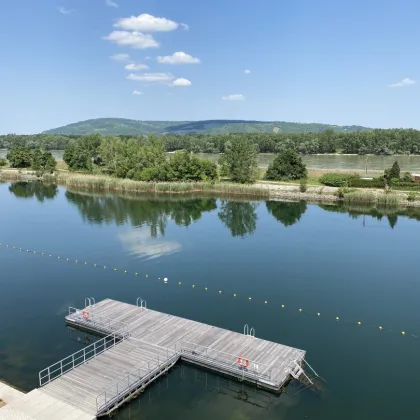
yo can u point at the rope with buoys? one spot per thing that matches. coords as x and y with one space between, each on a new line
250 299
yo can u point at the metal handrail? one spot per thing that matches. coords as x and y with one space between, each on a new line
107 324
255 368
132 381
80 357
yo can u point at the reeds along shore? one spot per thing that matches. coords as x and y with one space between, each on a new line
104 183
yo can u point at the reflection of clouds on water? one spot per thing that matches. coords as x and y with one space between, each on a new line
140 243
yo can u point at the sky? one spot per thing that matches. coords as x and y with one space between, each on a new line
338 62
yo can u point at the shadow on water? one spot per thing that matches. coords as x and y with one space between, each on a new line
287 213
185 381
238 216
378 213
40 190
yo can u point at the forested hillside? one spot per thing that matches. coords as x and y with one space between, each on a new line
121 126
378 142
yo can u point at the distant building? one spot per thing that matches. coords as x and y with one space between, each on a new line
416 177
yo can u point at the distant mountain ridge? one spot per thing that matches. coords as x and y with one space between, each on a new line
122 126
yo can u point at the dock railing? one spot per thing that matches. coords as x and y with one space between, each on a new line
80 357
101 323
253 371
142 376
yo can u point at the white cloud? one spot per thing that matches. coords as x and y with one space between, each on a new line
63 10
111 3
178 58
246 71
234 97
181 82
185 26
120 57
134 39
146 23
137 92
136 67
404 82
151 77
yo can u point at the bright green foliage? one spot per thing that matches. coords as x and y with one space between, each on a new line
287 165
3 162
240 161
43 161
184 166
76 158
337 179
20 157
83 153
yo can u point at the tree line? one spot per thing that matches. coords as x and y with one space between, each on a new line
377 142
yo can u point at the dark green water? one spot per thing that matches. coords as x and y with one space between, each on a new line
357 264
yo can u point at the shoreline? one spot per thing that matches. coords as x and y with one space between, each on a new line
262 190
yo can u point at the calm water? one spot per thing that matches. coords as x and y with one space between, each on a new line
343 162
358 264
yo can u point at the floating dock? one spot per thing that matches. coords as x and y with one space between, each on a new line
141 344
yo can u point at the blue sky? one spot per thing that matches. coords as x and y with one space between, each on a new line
331 61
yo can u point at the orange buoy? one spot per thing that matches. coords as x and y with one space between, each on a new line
243 362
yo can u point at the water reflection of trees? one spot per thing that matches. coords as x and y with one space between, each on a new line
287 213
144 211
39 190
239 217
391 213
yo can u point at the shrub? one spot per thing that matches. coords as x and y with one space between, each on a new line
412 196
359 197
287 165
407 177
342 191
337 179
367 183
303 186
388 200
406 186
3 162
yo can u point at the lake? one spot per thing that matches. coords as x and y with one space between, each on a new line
358 264
342 162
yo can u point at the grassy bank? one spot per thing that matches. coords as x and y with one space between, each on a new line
105 183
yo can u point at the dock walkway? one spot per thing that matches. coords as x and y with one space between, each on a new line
141 344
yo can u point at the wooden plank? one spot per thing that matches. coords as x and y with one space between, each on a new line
154 337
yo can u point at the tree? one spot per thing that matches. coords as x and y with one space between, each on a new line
20 157
287 165
240 161
3 162
393 172
76 157
43 161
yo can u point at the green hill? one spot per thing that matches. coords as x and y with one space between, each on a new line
121 126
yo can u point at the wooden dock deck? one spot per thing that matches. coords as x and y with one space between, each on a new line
141 344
